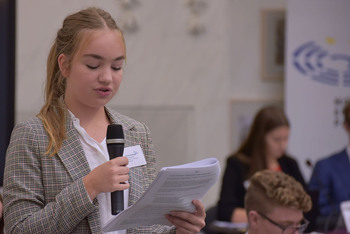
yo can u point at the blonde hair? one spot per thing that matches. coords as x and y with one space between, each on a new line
269 188
68 41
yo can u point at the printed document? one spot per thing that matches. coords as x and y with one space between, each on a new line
173 190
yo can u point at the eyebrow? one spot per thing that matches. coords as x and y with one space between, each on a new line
101 58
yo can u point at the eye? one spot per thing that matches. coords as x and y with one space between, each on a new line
116 68
91 67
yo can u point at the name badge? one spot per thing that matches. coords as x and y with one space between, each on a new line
135 156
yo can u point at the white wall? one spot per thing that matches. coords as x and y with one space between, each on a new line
317 99
186 81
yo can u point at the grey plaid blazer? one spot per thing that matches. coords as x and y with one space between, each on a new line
44 194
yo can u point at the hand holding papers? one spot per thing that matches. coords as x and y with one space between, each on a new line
173 189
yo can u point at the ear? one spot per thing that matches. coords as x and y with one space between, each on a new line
63 64
253 219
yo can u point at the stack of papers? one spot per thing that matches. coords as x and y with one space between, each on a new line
173 190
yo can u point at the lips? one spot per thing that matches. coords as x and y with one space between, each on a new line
103 91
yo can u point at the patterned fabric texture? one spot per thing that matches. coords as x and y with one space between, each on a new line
46 194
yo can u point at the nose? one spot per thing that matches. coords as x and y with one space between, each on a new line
105 75
284 143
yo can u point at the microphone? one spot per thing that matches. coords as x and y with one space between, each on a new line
309 163
115 145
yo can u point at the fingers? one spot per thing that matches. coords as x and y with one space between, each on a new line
200 209
120 161
108 177
119 173
186 222
121 186
119 182
117 168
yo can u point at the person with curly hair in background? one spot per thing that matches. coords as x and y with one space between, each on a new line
275 203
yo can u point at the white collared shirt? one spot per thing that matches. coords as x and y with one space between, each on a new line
96 154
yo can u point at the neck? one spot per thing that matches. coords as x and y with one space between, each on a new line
271 163
87 114
95 123
94 117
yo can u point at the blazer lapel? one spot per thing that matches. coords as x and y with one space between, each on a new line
72 153
73 157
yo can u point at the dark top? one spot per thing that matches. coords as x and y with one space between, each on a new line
233 190
330 177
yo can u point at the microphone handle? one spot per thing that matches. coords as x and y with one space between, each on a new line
117 200
117 197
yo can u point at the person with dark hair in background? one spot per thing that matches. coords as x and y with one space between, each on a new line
264 148
58 176
331 177
275 203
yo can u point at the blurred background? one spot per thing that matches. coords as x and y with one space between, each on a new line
196 70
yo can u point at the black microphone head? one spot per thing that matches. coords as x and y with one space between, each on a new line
308 163
115 131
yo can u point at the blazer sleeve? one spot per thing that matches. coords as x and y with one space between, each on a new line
321 181
26 209
232 189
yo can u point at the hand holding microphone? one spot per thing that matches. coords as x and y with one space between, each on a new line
110 176
115 145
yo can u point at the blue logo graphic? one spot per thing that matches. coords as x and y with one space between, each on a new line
313 61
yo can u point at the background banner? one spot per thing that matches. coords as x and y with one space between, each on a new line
317 77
